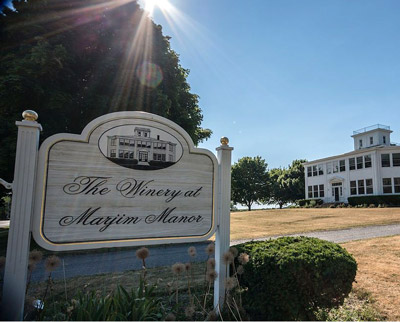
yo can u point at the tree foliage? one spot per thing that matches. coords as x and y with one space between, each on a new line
250 181
72 61
287 185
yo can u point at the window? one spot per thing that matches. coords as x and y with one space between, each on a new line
371 140
309 172
360 163
113 142
112 153
387 185
139 133
310 192
171 148
396 159
384 139
121 141
126 142
145 134
335 166
353 188
130 155
369 187
360 143
132 142
170 158
320 170
314 170
164 146
352 163
385 158
315 191
361 188
329 168
126 154
396 185
148 144
321 191
342 165
121 153
367 161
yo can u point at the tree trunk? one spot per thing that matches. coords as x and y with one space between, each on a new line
280 205
249 206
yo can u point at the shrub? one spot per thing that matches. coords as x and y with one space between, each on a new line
308 202
391 200
291 277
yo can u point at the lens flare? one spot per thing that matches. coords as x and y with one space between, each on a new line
149 74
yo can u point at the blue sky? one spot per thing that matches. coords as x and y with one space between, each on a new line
289 79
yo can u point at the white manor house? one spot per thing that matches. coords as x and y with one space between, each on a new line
373 168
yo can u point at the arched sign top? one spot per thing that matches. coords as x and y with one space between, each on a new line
130 178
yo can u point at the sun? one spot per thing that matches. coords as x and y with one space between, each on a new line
150 5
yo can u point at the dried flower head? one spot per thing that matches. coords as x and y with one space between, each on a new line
228 258
211 275
212 316
31 266
2 262
70 309
142 253
178 268
192 251
74 302
243 258
35 256
210 249
188 267
170 317
230 283
240 269
234 251
189 311
211 263
52 263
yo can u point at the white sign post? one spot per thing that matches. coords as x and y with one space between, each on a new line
130 178
15 273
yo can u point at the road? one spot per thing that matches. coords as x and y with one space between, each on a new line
123 260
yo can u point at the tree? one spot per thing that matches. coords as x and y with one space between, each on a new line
287 185
72 61
250 181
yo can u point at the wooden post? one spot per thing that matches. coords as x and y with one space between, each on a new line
222 235
15 273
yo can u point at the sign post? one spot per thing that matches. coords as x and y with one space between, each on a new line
15 273
222 234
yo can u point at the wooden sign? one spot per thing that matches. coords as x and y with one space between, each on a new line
130 178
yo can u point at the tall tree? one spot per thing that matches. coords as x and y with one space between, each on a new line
250 181
72 61
287 185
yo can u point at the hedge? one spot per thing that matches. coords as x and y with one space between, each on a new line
290 278
390 200
306 202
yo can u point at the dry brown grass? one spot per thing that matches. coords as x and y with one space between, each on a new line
379 272
263 223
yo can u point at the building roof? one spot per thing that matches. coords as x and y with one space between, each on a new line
355 152
371 128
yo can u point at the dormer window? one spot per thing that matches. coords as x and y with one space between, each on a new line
145 134
384 139
360 143
371 140
139 133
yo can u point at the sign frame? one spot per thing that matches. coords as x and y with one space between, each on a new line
84 137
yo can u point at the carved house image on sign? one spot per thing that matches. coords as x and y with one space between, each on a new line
140 150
